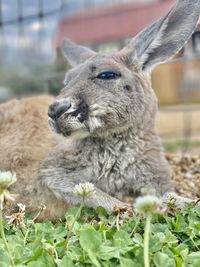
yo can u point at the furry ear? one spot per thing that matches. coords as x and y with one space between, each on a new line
164 38
75 54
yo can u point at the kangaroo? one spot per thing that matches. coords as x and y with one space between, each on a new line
103 122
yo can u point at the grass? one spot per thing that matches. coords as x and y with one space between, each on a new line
183 146
98 239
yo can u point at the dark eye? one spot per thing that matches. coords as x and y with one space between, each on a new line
108 75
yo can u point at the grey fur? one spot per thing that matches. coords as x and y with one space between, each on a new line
116 146
75 54
167 36
118 149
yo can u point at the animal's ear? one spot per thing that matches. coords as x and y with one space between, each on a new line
75 54
164 38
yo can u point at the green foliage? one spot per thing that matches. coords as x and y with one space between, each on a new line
175 146
95 241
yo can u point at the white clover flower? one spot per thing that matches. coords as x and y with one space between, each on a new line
6 179
147 204
84 189
148 191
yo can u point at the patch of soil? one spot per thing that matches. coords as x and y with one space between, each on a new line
186 174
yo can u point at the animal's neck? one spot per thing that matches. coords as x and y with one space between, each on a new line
131 138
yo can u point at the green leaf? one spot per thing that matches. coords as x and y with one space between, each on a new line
45 260
122 239
75 253
156 242
194 259
4 260
180 223
102 213
181 250
158 227
162 259
90 241
179 262
107 253
71 212
126 262
66 262
138 239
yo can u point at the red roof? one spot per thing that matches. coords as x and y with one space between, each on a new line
111 23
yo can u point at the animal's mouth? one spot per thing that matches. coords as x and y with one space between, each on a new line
81 122
68 117
70 124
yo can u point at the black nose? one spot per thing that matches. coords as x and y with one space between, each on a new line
58 108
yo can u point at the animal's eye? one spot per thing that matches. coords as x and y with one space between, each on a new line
108 75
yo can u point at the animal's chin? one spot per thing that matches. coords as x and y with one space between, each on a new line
94 126
76 134
70 129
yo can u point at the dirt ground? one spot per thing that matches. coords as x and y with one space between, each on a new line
179 128
186 174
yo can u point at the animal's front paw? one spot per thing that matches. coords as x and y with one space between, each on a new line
172 202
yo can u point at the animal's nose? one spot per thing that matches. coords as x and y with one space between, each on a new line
58 108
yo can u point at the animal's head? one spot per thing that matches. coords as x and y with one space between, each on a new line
109 93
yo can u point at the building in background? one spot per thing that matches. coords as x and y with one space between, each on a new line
110 24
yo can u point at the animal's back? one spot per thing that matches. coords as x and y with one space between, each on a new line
25 138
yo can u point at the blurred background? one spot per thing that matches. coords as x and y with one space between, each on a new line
31 32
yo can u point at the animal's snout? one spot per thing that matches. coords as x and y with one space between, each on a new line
58 108
77 108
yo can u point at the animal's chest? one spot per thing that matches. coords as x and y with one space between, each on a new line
114 168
